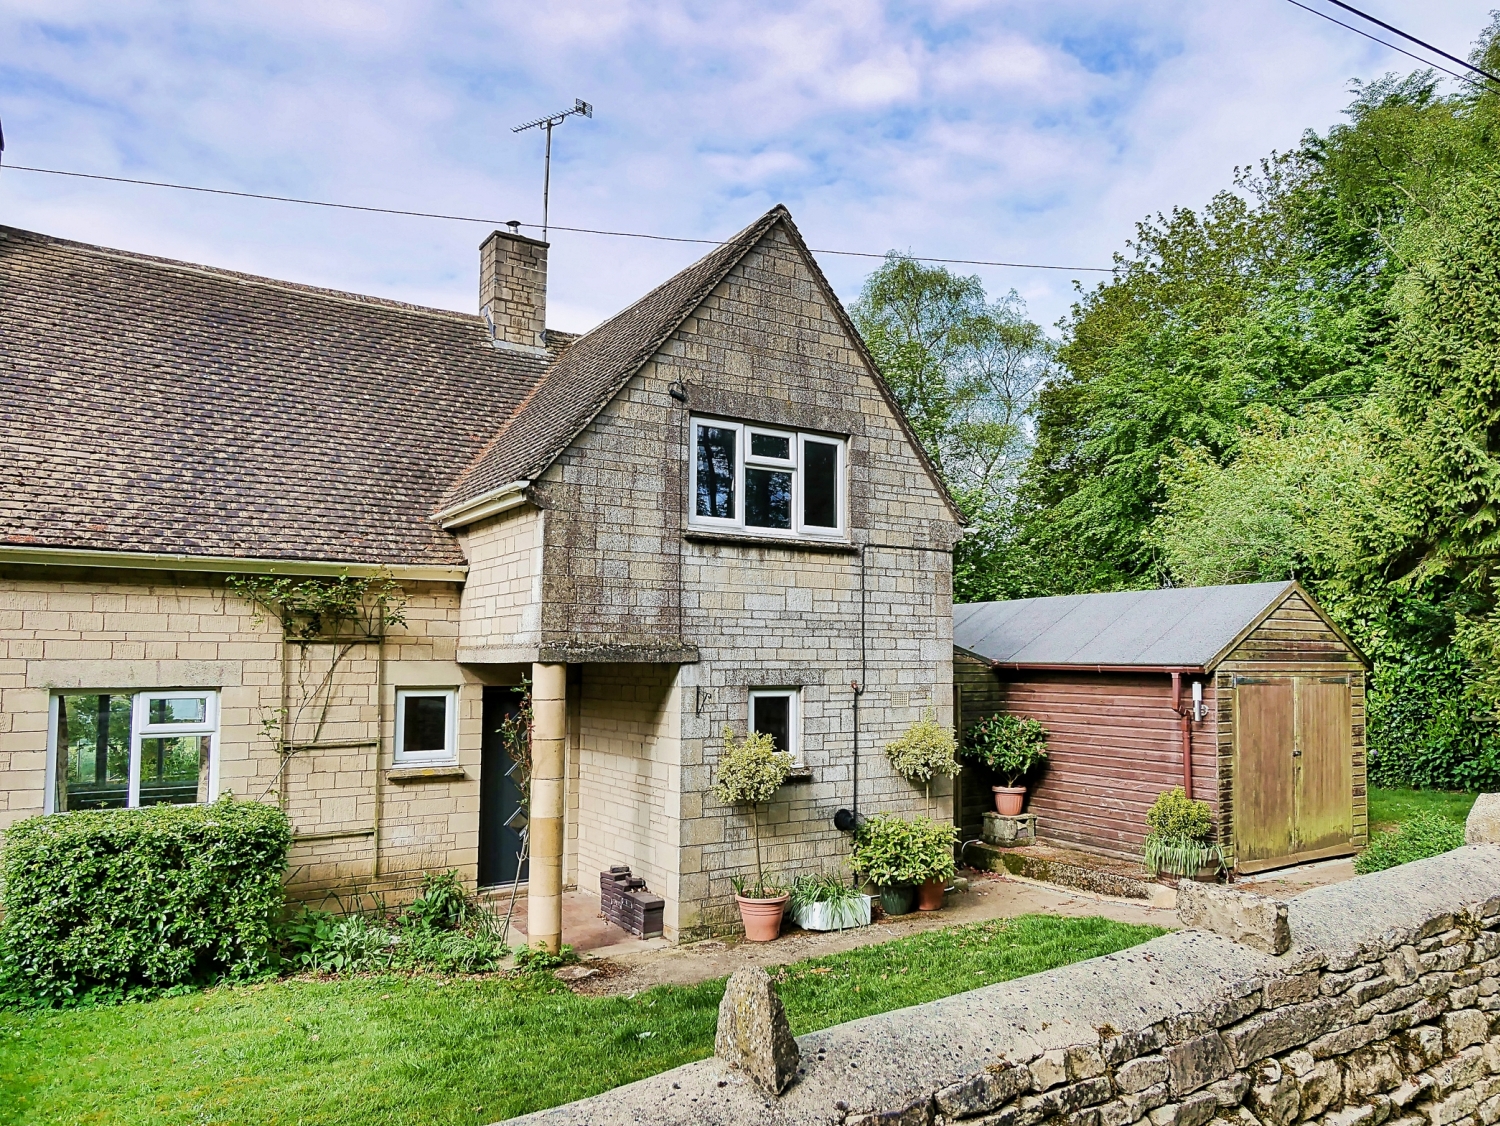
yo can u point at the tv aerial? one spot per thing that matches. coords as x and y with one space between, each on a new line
582 109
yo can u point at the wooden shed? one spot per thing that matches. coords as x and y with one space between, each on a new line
1276 746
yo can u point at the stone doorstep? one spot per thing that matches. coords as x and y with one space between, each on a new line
1102 875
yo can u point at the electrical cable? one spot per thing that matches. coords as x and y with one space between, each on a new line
1377 39
507 222
1414 39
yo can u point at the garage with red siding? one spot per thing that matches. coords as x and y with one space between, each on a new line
1248 696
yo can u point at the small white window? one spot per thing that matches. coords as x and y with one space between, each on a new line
769 481
426 725
774 712
114 750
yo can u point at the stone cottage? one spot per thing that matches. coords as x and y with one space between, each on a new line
707 512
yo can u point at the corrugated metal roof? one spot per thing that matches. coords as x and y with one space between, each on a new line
1186 626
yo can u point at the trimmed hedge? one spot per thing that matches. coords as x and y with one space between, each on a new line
114 902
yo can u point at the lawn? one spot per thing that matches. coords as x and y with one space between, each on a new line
1388 808
380 1051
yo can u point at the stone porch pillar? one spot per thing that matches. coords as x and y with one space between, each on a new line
549 726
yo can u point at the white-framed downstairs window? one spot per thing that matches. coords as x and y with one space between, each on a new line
776 712
426 725
767 480
116 750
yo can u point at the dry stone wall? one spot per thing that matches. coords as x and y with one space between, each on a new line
1385 1011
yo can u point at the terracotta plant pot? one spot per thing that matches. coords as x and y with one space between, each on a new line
930 895
896 900
1009 800
762 917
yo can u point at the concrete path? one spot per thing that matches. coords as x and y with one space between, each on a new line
990 897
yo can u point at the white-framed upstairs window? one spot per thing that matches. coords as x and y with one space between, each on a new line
117 750
767 480
777 712
426 725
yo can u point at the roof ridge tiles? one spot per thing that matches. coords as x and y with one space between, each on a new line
346 296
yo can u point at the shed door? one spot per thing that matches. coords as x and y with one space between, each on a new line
1293 782
1264 776
1324 754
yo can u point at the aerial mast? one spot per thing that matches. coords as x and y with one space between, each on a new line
582 109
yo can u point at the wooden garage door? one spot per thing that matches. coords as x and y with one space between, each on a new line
1292 782
1264 771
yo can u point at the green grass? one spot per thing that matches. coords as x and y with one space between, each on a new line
385 1051
1388 808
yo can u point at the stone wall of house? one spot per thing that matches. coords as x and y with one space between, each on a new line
502 599
629 776
627 579
1384 1012
133 630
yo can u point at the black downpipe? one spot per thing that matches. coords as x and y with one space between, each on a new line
847 820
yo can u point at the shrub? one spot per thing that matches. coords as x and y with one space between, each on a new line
106 903
1177 840
1174 814
443 903
751 770
1009 745
890 850
1425 834
926 749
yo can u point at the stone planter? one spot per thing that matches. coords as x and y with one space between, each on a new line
930 895
834 916
762 917
1009 800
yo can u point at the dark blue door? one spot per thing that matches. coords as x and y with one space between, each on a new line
500 816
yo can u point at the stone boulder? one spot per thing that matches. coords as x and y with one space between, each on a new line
1257 921
754 1034
1483 825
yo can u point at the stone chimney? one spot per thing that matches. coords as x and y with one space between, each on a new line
513 291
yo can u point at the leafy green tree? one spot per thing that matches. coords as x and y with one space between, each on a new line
965 370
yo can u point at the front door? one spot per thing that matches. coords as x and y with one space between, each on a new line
500 817
1293 766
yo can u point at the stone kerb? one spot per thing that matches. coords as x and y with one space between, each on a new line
1384 1012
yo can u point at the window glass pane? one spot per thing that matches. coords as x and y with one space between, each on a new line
716 472
772 715
193 709
174 769
93 752
424 724
771 445
820 484
768 498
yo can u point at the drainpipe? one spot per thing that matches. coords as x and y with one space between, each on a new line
1187 734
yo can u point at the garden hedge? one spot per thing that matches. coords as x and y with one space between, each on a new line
114 902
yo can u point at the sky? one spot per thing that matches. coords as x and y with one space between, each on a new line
1025 132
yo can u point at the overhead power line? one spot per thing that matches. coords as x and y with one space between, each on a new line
1376 38
500 222
1412 38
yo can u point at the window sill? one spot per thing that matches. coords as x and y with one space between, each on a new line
798 774
436 772
786 543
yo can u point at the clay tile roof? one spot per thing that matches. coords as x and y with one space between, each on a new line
155 406
1185 627
596 366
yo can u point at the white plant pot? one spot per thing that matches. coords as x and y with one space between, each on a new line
834 916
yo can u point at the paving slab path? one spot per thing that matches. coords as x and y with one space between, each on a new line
989 896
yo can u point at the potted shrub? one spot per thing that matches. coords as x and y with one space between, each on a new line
1177 838
751 770
828 902
927 748
899 856
1012 747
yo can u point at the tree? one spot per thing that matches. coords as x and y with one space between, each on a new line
965 371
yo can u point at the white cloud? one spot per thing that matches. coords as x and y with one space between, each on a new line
1002 130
